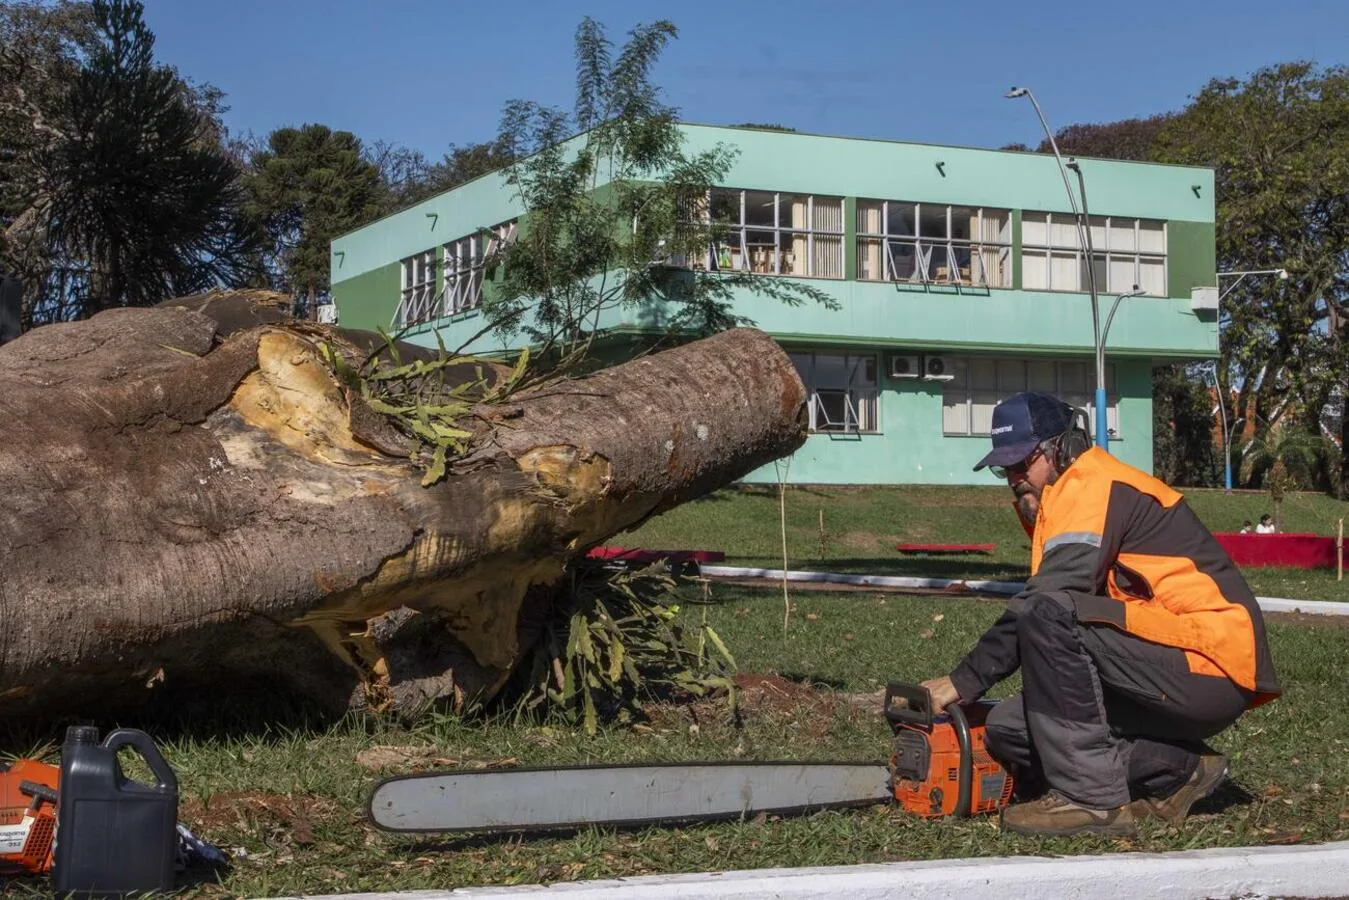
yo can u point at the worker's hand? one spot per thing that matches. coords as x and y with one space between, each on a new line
943 692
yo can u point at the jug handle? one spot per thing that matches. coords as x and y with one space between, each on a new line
131 737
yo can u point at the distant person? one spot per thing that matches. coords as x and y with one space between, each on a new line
1266 526
1246 527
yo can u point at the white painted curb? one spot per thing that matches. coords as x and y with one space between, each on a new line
1315 871
1268 604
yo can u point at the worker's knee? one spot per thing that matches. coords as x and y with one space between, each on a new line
1006 736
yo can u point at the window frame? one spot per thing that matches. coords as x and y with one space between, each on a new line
988 396
417 287
464 264
862 400
925 246
1103 254
730 236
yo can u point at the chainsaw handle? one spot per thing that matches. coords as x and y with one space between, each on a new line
39 792
918 704
964 780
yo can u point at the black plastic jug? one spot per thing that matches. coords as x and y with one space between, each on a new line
114 836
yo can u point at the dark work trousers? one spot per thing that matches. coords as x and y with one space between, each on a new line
1103 717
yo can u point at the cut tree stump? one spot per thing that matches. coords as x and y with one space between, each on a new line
192 498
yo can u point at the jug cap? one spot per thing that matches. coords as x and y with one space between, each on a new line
82 734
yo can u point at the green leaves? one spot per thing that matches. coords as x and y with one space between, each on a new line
427 399
612 643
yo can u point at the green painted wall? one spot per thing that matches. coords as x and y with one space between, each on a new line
893 170
1191 257
370 299
883 315
911 448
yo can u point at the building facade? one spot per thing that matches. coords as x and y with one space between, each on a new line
957 272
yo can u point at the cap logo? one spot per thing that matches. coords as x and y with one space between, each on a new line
1001 429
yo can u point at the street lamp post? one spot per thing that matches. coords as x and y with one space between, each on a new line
1102 429
1217 386
1084 238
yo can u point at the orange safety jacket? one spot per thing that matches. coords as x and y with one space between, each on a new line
1133 555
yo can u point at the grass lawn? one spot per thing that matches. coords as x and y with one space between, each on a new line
287 798
290 798
862 526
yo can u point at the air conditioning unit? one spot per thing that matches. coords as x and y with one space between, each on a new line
938 368
906 367
1204 298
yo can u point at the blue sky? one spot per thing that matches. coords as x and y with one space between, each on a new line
428 73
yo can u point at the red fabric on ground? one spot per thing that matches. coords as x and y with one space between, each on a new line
1302 551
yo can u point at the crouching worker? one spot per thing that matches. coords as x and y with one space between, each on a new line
1136 637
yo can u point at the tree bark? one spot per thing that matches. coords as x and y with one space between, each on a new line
191 498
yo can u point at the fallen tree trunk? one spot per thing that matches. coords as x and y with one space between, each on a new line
191 496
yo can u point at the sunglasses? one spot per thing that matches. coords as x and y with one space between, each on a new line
1003 472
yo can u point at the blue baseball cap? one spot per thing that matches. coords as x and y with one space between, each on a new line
1021 423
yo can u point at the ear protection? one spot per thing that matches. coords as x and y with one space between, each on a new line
1073 442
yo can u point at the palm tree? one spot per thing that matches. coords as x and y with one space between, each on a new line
1281 459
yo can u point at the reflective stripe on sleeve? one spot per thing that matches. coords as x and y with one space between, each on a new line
1073 537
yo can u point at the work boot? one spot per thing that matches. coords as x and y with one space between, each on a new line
1054 815
1207 775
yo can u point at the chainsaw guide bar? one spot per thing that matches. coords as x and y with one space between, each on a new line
569 797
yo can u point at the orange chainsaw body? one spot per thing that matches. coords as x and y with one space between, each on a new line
27 817
939 765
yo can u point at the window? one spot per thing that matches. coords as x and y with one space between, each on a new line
929 243
1125 252
842 388
776 234
465 261
979 383
418 289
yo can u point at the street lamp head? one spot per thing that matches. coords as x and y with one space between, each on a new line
1283 274
1016 92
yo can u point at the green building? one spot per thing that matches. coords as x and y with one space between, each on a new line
957 271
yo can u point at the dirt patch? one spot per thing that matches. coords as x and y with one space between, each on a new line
290 816
1313 621
810 711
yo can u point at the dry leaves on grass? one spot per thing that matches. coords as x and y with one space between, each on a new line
416 758
384 756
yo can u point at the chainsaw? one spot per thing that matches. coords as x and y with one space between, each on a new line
27 817
938 767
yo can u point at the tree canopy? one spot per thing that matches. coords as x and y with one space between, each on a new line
1279 143
118 191
308 185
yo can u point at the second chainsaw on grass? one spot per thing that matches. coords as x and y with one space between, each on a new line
938 767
